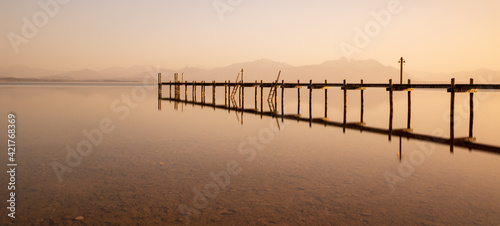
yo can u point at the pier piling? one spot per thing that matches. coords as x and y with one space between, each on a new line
282 98
255 96
390 108
176 91
326 100
185 90
276 97
362 103
310 100
242 88
298 98
471 110
229 94
261 97
345 103
159 86
213 93
408 126
452 114
203 92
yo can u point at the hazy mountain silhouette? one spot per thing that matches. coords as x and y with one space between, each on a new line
84 74
335 71
351 70
20 71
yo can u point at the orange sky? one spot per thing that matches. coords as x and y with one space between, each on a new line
438 36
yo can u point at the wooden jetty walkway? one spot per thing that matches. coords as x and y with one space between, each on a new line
236 103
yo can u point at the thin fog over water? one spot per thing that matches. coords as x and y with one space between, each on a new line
141 165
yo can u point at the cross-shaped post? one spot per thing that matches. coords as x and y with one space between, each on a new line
401 61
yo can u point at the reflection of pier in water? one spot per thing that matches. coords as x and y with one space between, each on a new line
230 104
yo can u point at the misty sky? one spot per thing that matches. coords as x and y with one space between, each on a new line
438 36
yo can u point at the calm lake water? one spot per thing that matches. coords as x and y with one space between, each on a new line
140 165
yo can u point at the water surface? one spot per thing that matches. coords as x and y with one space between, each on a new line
154 161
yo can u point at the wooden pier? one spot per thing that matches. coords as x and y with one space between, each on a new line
233 103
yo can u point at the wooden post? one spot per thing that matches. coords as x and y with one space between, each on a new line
213 93
390 108
276 97
185 91
238 89
326 100
408 126
175 86
178 91
362 102
401 61
282 98
345 104
242 96
310 101
298 98
229 95
471 110
176 80
193 93
159 87
170 89
239 94
203 91
225 93
255 106
452 114
261 97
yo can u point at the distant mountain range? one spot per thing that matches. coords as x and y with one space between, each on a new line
371 71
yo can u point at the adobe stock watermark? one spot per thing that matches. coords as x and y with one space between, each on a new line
219 181
408 166
364 36
94 137
224 6
416 158
40 19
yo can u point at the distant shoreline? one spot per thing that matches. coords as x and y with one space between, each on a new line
74 84
34 81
